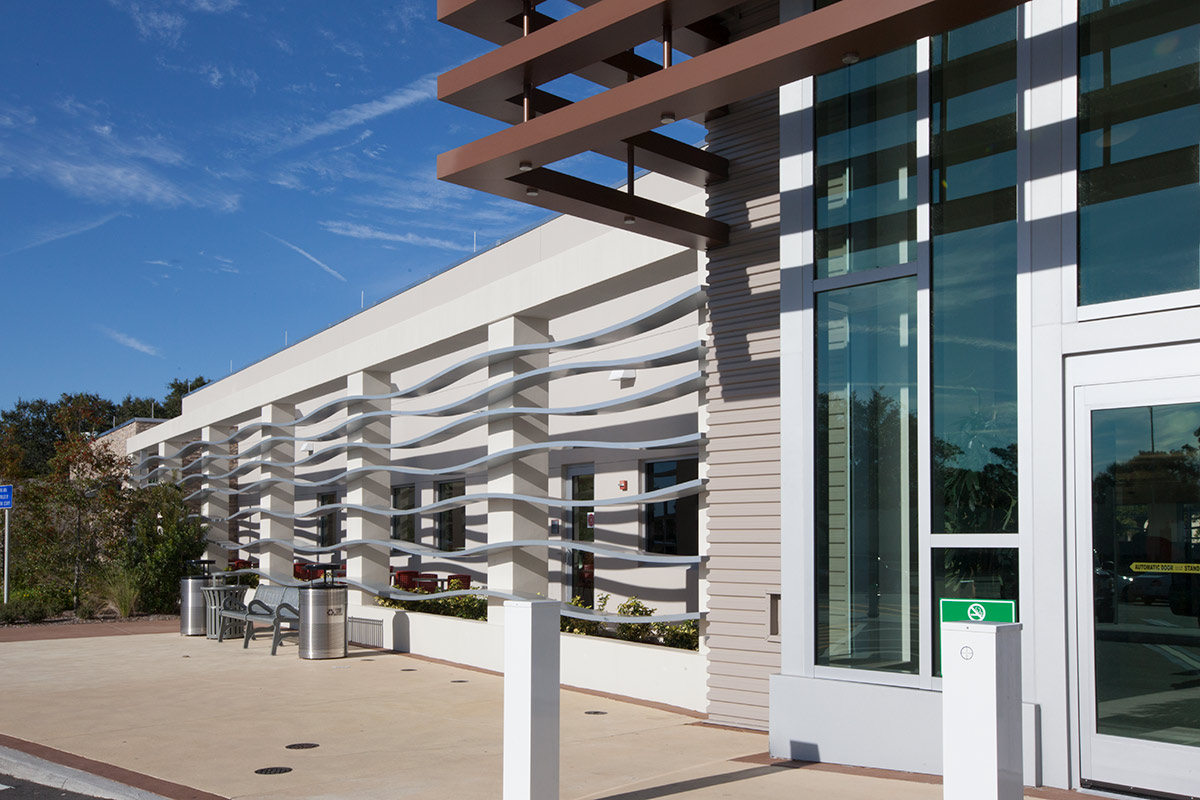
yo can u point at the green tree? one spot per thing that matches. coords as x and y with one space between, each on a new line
163 537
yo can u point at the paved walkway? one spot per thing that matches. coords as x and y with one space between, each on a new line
186 717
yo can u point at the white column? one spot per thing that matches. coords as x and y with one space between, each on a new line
276 559
981 711
215 506
525 573
531 700
373 489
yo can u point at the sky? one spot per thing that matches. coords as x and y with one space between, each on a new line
185 183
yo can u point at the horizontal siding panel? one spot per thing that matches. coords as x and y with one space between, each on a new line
740 683
760 659
726 550
756 671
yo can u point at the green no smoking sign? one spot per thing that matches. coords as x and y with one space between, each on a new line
954 610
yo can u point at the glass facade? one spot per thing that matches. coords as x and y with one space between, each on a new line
971 573
866 477
974 277
327 523
673 526
1139 148
452 523
866 165
1146 571
404 528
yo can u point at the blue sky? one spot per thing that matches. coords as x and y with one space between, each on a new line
182 181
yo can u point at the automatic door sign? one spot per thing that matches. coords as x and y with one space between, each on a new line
1138 566
979 610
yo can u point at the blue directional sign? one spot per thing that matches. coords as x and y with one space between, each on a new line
5 497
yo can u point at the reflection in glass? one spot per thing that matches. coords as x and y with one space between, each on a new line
866 165
1146 572
452 523
673 526
583 565
974 337
1139 148
971 574
404 528
866 477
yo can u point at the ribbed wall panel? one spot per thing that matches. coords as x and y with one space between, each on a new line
743 401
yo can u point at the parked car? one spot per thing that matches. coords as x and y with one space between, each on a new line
1149 588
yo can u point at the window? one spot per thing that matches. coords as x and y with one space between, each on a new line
866 477
452 523
971 573
404 528
866 165
1139 165
673 526
327 523
974 277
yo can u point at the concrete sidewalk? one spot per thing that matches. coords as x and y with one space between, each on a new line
186 717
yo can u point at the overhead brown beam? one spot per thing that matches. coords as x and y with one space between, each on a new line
486 19
807 45
586 37
567 194
653 151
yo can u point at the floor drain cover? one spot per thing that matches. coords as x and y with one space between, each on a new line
272 770
460 680
302 746
596 713
409 669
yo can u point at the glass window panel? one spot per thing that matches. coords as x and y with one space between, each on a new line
974 277
1139 148
866 193
327 524
1146 571
971 574
404 528
452 523
866 477
673 526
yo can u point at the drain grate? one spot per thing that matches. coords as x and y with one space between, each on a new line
409 669
272 770
460 680
302 746
596 713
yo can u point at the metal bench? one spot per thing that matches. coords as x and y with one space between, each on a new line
272 605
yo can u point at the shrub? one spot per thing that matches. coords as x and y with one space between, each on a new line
26 607
684 635
118 590
635 631
471 606
584 627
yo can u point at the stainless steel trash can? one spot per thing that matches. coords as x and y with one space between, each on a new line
323 621
192 607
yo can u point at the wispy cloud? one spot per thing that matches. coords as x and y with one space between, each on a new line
156 19
63 232
130 342
424 88
359 231
310 257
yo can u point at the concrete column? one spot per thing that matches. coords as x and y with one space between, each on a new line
215 506
276 560
531 700
525 573
372 489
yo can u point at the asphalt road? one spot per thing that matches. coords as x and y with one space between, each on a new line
16 789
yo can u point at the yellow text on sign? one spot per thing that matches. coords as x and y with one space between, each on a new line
1143 566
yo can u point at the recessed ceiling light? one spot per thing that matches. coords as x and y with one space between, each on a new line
630 219
667 118
525 166
850 58
531 191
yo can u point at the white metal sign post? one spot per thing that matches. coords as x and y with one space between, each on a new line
6 501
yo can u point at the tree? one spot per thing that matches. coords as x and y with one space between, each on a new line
162 539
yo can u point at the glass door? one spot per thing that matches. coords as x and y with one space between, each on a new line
1137 494
582 480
